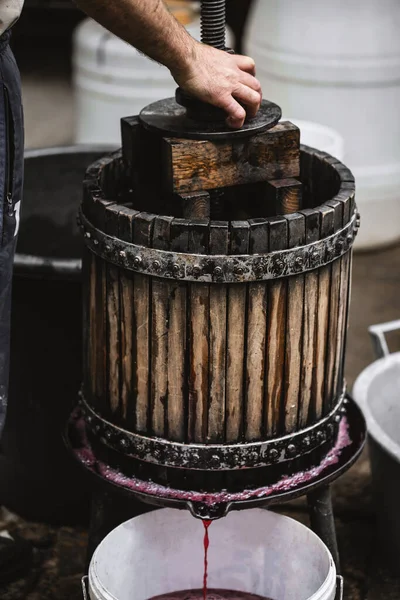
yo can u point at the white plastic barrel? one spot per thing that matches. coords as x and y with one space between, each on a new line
254 551
113 80
320 137
377 392
338 64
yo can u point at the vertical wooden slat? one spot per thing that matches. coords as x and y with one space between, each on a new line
142 234
334 332
276 332
324 280
294 327
89 323
344 299
218 244
125 222
100 319
177 335
199 324
113 317
309 324
236 338
285 195
256 338
160 311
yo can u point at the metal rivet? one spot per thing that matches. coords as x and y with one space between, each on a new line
175 268
196 270
215 461
299 261
291 450
88 235
156 265
137 261
338 418
350 238
306 442
96 242
238 271
273 454
321 437
108 248
218 272
122 253
108 434
124 444
315 255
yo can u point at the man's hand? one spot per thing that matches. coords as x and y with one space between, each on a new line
211 75
221 79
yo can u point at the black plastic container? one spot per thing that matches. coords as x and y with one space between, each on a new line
38 479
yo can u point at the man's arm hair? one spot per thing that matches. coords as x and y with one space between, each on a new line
145 24
211 75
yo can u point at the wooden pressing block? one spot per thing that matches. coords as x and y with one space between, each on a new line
190 165
285 195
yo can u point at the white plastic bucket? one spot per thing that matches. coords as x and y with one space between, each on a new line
112 80
254 551
377 392
338 63
320 137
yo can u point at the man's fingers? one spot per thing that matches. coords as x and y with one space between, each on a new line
250 81
236 113
245 63
249 97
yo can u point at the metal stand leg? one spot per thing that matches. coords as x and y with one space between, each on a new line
322 520
109 509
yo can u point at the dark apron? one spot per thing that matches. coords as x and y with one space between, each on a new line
11 181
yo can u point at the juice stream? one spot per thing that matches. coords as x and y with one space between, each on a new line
206 542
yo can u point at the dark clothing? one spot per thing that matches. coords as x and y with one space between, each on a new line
11 182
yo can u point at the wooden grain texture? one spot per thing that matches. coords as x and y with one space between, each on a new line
294 327
324 281
236 338
177 339
142 234
113 335
198 351
160 311
126 278
285 195
218 244
195 205
276 335
190 165
310 330
344 302
257 301
335 335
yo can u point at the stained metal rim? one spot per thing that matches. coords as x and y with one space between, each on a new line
214 457
349 455
167 117
219 268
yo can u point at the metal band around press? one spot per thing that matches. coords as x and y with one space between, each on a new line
215 457
218 268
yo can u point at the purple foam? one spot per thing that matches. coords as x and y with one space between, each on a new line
286 483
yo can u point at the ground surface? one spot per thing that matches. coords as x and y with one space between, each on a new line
59 553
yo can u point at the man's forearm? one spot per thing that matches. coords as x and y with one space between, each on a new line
145 24
211 75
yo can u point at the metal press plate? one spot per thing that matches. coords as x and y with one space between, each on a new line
169 119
